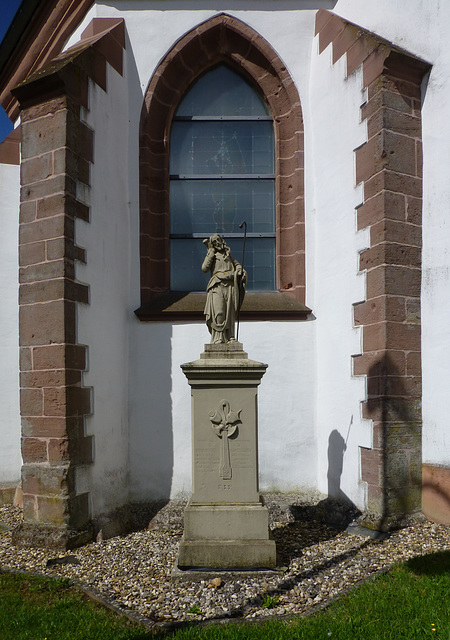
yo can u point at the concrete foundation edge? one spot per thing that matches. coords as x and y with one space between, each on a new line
51 537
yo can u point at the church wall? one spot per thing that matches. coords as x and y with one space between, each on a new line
10 456
333 131
160 457
419 29
327 432
307 453
103 323
331 107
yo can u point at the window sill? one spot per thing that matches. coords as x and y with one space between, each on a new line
273 305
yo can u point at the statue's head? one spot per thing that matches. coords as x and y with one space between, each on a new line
217 241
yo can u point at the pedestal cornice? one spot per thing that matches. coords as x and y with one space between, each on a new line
224 361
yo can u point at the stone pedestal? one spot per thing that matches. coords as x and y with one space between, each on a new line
225 523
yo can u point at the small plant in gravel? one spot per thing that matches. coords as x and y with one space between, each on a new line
270 602
194 609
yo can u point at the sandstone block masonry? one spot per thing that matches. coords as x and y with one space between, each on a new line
56 152
389 165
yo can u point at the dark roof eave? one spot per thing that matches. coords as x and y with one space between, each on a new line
17 29
37 34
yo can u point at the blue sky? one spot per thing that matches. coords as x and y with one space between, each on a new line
8 9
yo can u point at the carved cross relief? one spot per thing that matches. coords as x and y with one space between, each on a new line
224 423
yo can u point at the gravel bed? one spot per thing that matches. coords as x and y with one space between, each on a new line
134 571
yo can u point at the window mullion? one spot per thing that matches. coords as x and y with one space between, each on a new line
222 118
223 176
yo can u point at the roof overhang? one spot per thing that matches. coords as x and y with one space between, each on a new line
37 34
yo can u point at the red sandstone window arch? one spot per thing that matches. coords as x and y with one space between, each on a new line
222 39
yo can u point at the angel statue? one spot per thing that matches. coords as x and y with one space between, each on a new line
225 290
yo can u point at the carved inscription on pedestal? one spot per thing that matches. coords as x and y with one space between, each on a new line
203 458
225 423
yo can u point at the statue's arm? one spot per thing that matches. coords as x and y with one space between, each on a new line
237 266
240 270
208 261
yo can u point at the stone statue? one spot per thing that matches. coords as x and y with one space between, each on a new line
225 290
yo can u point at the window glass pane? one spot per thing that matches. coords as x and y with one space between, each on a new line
198 147
222 92
259 261
186 258
220 206
221 147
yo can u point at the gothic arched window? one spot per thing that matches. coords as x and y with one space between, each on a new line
221 142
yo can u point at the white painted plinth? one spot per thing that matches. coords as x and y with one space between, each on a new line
225 523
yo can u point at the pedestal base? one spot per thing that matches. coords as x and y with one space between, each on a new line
227 554
226 536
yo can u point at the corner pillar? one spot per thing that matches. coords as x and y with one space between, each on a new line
389 165
56 152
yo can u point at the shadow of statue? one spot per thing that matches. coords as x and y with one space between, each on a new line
308 523
336 449
336 510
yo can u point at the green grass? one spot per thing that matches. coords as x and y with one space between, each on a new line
38 608
409 603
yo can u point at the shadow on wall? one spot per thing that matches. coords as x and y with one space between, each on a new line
150 383
337 510
336 449
150 433
394 406
151 429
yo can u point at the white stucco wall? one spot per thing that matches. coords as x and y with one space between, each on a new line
333 131
10 457
103 324
160 413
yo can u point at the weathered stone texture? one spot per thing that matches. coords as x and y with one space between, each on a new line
390 166
57 149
